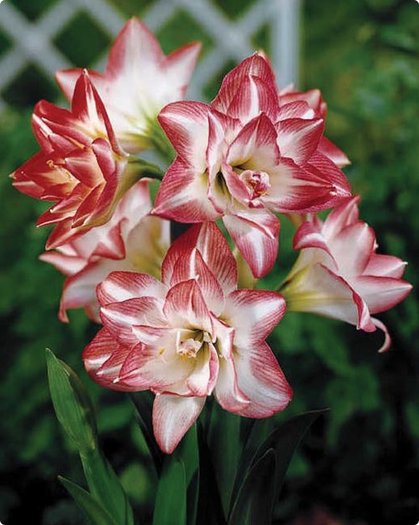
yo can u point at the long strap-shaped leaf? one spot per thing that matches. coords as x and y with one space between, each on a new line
143 403
75 412
255 500
283 441
170 505
95 513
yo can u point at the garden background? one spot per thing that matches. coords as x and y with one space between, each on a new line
359 463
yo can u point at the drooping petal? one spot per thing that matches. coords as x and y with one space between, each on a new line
387 338
262 381
253 314
255 232
227 392
172 418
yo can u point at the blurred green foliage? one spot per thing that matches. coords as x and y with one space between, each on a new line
362 459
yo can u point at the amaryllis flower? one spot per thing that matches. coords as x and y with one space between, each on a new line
80 167
310 104
132 240
245 158
189 335
338 273
139 80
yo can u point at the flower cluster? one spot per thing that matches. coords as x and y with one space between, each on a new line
175 319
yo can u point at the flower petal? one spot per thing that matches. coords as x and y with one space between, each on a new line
192 266
120 286
382 293
298 139
172 418
385 266
103 357
333 153
342 216
215 251
120 318
317 289
157 367
182 195
227 391
202 380
185 307
255 232
361 239
186 125
253 314
255 96
256 66
255 146
262 381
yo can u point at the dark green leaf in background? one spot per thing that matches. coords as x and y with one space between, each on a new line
170 505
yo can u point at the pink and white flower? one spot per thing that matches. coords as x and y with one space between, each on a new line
338 273
80 167
138 81
132 241
244 158
297 101
189 335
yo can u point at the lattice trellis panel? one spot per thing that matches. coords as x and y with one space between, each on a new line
35 42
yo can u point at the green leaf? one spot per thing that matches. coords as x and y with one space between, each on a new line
143 403
106 487
170 505
75 413
72 405
188 453
256 497
93 510
284 439
224 443
210 506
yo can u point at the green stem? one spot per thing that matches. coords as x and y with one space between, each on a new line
146 169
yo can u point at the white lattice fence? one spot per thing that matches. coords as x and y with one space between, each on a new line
33 42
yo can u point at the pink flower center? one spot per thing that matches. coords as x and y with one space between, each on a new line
257 182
